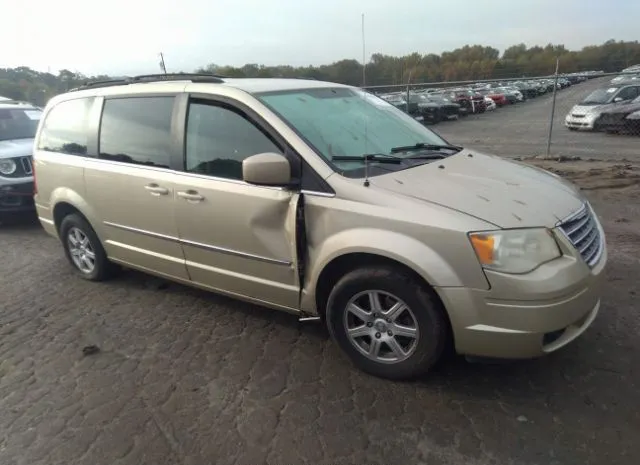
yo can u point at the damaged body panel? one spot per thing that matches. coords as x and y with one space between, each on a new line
241 239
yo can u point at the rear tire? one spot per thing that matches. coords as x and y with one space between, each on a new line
401 337
84 250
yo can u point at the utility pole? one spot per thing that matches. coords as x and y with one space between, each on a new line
553 107
162 66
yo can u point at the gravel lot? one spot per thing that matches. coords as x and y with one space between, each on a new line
185 377
521 130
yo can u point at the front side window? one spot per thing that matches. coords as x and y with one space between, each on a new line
65 129
348 122
219 138
628 93
137 130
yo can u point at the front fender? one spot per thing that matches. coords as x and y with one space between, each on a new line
406 250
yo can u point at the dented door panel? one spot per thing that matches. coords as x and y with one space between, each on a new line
239 238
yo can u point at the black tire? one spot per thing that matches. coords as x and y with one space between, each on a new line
572 129
103 269
426 309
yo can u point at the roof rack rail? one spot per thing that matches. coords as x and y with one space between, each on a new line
147 78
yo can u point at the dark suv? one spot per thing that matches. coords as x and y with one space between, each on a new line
18 125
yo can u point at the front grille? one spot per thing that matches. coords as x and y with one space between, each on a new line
577 116
582 231
27 168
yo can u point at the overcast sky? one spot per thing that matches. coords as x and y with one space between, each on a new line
125 36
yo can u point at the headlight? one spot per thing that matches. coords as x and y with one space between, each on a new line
514 250
634 115
7 167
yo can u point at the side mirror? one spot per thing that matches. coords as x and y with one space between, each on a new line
266 169
617 99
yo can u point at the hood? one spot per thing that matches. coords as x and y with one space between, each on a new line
584 110
506 193
16 148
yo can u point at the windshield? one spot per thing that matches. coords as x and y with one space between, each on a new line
18 123
600 96
346 122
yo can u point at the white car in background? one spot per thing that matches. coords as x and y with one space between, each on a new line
491 105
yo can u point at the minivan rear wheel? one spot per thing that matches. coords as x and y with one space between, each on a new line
387 322
84 250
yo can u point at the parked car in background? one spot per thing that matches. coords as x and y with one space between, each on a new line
434 108
18 125
510 95
496 96
489 103
399 101
622 118
275 192
469 100
528 89
585 115
625 77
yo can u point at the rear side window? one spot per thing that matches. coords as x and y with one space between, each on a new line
137 130
65 128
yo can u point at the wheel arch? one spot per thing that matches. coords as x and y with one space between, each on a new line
353 249
66 201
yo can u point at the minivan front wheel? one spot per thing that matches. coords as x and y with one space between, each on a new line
84 250
387 322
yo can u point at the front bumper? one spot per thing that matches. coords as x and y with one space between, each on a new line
580 122
526 316
16 197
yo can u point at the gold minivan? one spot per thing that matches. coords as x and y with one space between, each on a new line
325 201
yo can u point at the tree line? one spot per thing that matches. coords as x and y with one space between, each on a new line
470 62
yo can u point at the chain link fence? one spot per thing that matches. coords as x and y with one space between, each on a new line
588 115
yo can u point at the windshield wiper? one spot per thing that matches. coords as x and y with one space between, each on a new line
376 157
423 146
426 156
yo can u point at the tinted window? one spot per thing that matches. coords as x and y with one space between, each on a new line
628 93
19 123
65 129
137 130
218 139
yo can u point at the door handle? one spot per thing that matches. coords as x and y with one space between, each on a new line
190 195
155 189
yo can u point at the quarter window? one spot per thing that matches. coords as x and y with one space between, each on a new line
137 130
65 129
220 138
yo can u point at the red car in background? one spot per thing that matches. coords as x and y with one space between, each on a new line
469 101
500 99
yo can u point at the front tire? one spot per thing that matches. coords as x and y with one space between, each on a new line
84 250
387 322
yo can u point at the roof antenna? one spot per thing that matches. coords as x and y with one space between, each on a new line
162 66
364 83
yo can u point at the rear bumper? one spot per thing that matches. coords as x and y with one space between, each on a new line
526 316
16 197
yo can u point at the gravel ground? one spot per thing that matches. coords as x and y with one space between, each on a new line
186 377
522 130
